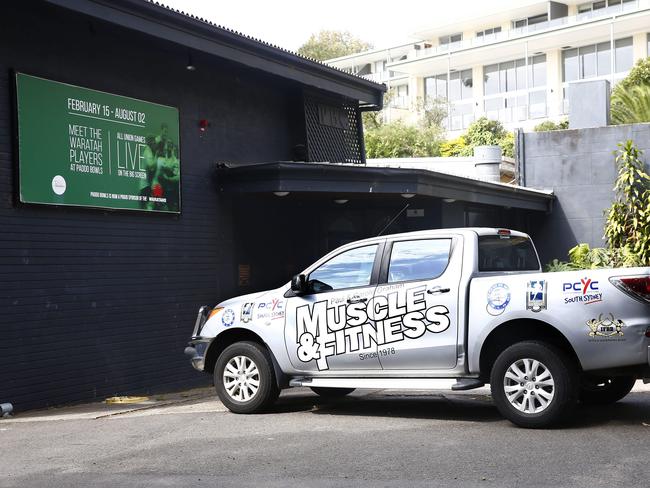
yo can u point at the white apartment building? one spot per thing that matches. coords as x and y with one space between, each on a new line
513 65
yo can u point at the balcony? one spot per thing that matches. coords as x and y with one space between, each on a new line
521 32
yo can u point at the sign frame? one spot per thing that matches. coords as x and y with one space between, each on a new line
18 163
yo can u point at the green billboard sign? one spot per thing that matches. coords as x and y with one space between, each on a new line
88 148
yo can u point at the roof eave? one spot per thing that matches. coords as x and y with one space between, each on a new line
164 23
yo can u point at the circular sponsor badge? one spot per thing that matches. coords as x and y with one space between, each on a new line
59 185
498 298
228 317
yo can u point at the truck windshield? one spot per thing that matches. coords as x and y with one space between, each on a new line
506 253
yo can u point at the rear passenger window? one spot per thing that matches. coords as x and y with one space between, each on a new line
424 259
506 253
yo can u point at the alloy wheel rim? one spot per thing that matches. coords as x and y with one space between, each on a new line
529 386
241 378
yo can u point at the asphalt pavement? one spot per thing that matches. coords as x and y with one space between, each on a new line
372 438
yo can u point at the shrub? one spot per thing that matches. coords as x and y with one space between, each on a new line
485 132
628 218
453 147
550 125
631 106
397 140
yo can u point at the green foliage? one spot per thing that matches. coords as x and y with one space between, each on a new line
453 147
484 132
332 44
507 144
584 257
550 125
431 111
628 219
398 140
638 75
631 106
630 101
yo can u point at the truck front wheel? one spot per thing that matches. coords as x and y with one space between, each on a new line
244 379
534 384
602 391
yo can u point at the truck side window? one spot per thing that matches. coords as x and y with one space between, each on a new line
506 253
349 269
423 259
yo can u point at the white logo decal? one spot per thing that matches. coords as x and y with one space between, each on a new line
323 331
59 185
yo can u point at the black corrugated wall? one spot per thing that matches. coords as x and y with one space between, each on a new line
95 303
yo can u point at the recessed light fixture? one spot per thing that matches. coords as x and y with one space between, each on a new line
408 195
280 193
538 53
190 64
341 201
449 200
565 47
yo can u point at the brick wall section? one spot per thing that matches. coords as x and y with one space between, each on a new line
95 303
579 166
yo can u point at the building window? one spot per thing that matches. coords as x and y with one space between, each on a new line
458 91
450 39
511 75
401 98
597 7
488 33
460 86
623 56
536 19
595 60
509 96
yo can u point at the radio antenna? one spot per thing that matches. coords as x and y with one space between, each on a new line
393 219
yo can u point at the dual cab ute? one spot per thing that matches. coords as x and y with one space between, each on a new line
404 311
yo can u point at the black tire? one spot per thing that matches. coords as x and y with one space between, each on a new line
267 391
603 391
564 391
332 392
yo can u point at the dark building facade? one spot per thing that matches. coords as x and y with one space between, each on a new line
100 302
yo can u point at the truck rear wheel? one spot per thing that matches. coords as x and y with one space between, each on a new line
534 384
602 391
244 379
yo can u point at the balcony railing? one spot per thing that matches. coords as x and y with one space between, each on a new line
383 76
530 29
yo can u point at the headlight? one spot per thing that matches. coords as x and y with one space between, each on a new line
215 311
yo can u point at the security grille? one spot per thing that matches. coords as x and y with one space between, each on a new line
334 131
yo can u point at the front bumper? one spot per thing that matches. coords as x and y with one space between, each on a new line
197 346
196 351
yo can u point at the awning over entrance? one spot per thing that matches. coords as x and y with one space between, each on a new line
348 180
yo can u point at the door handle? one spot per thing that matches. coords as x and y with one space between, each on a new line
357 300
437 289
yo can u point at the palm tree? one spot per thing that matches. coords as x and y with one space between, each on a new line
631 106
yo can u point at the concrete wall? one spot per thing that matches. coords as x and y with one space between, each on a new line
579 166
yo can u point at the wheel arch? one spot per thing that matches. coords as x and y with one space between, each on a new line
238 334
518 330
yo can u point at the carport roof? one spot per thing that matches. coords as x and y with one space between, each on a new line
349 179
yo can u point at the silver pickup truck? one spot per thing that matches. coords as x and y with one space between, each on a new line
404 311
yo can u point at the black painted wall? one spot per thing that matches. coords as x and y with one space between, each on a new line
95 303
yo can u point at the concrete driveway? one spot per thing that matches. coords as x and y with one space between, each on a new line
372 438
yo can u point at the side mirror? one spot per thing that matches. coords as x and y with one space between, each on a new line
299 284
